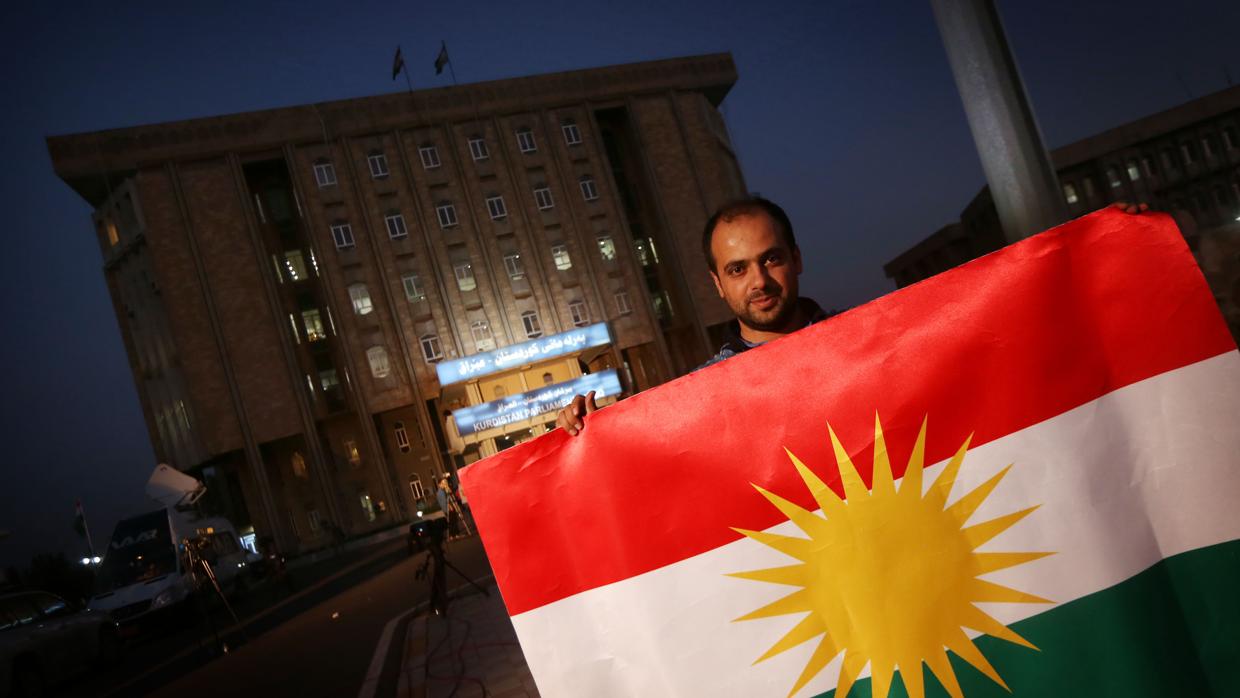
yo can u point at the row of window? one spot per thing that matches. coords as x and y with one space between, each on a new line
1172 160
325 172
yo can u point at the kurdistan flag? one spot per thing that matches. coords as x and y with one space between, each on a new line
1020 477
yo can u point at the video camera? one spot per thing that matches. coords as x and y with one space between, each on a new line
427 533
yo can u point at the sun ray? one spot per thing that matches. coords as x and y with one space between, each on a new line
827 499
966 505
854 662
979 534
910 486
914 684
880 677
941 490
883 482
982 591
796 602
810 627
991 562
854 487
800 548
792 575
966 650
981 621
813 525
941 667
822 656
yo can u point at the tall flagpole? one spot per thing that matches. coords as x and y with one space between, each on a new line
85 528
443 46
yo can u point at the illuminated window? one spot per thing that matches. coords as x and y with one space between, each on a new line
622 303
413 288
1113 178
430 156
342 235
512 263
579 313
465 277
432 351
293 267
312 321
329 380
395 226
542 197
495 206
525 140
378 165
478 149
607 248
361 299
560 254
533 328
378 359
368 505
402 440
351 452
1134 172
113 236
481 331
588 190
572 135
1069 194
324 174
447 214
299 465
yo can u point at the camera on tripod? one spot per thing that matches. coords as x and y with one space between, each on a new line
428 533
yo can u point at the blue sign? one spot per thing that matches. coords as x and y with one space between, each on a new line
516 408
529 352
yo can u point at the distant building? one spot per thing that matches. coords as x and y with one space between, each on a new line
326 306
1185 160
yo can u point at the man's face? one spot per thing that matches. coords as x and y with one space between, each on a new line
755 272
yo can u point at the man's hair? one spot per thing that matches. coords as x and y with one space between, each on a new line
738 208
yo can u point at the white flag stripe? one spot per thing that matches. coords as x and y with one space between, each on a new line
1138 475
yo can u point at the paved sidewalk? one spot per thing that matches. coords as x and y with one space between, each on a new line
472 652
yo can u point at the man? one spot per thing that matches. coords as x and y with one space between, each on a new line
753 258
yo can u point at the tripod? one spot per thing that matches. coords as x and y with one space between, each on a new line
436 561
204 575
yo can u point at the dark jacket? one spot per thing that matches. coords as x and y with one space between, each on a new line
734 344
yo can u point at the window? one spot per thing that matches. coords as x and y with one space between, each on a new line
324 174
413 288
342 234
1186 150
478 149
313 323
431 349
298 463
315 519
542 197
378 165
607 248
1207 148
294 266
525 140
662 305
113 236
1147 166
1089 187
1069 195
351 452
417 489
368 506
328 379
646 252
430 156
622 303
572 135
1134 172
512 263
533 328
395 223
402 440
465 277
1168 158
447 214
1113 178
380 367
481 331
1229 138
495 206
560 254
361 299
579 313
588 190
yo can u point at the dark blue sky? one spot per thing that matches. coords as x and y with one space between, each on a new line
845 112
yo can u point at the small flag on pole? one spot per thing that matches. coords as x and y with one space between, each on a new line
398 63
442 59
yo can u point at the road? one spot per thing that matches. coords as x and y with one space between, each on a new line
323 650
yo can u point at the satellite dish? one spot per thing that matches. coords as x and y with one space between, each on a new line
173 488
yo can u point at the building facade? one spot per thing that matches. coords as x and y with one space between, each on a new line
1185 160
327 306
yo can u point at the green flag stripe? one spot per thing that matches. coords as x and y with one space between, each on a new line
1172 630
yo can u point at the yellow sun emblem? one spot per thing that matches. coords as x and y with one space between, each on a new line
890 577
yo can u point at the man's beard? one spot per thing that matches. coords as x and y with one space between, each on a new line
774 320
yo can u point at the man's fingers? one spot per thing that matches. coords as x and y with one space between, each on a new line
589 402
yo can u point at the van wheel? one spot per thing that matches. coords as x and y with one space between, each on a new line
28 681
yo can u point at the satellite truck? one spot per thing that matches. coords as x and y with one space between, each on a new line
147 571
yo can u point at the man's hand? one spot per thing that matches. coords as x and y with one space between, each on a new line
572 418
1131 208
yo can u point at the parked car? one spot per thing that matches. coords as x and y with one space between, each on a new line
45 639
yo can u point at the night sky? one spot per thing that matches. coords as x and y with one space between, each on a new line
844 112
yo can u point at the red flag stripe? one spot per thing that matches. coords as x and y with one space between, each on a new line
989 348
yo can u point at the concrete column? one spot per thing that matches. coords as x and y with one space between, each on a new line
1022 180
